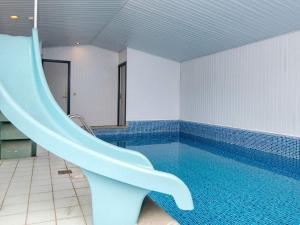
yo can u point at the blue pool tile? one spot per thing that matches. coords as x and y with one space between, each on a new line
271 143
266 142
235 176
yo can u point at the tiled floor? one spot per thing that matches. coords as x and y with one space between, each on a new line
33 193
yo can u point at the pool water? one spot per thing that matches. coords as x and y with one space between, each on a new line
229 185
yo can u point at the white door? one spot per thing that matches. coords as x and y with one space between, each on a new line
57 76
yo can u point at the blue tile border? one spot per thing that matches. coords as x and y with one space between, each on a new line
270 143
141 127
276 163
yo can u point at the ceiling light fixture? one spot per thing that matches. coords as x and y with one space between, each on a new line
14 17
77 43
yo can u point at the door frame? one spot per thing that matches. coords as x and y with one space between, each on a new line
69 79
119 74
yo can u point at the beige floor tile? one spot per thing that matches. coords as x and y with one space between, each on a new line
68 212
89 220
84 200
72 221
64 193
36 197
66 202
62 186
83 191
13 209
16 219
41 189
80 184
15 199
40 216
44 223
149 209
41 205
87 210
70 207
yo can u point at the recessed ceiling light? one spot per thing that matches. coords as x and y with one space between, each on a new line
30 17
77 43
14 17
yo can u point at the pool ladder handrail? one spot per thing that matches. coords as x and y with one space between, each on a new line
83 123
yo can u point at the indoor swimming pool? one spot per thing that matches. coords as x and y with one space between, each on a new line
229 184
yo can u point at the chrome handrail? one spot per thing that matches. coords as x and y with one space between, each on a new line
82 121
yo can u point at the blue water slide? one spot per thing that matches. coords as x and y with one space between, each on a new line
119 178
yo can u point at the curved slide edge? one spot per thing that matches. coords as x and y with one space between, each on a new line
88 140
123 172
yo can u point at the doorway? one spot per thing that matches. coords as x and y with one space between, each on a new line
58 76
122 94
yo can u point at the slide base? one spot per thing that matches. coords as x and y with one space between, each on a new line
114 203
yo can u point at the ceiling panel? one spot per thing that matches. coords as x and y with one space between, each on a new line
60 22
182 30
22 8
175 29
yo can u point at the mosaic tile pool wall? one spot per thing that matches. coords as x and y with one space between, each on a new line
141 127
266 142
271 143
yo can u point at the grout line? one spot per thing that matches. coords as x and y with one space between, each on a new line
76 196
10 181
27 211
55 216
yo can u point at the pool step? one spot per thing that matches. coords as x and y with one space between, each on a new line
13 143
10 132
17 149
3 118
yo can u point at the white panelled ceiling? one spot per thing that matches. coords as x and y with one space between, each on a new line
175 29
60 22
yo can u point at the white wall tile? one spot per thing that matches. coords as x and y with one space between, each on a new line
253 87
152 87
94 79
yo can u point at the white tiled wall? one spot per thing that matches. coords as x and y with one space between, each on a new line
94 76
152 84
152 87
254 87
